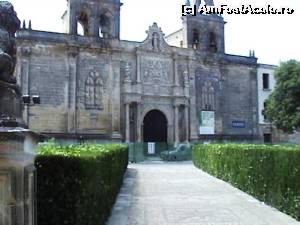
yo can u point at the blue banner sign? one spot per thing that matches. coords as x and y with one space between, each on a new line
238 124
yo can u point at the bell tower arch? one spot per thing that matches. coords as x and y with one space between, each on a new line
98 18
204 32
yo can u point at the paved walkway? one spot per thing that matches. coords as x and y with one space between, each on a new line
180 194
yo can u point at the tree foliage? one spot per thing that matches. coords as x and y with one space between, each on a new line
283 105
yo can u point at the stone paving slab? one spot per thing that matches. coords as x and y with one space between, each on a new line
180 194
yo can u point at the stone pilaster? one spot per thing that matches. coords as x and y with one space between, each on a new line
138 72
176 128
127 122
175 66
25 79
72 18
186 117
72 87
139 122
116 97
194 121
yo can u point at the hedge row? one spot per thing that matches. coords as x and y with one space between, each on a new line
78 184
269 173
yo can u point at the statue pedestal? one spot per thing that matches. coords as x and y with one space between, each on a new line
17 172
10 105
17 176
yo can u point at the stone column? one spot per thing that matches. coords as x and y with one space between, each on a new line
127 118
176 131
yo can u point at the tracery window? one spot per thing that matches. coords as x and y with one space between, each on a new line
208 97
93 91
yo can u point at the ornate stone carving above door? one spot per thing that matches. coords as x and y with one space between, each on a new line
155 71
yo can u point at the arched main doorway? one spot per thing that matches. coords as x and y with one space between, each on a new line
155 127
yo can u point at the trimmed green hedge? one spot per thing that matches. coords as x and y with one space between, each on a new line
78 184
269 173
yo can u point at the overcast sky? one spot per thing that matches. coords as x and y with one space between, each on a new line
274 38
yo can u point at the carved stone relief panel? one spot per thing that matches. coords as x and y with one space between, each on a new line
156 71
93 82
126 72
208 87
208 96
94 91
183 75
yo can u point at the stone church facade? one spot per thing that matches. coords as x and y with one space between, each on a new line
97 86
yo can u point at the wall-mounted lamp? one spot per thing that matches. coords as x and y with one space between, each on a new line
35 100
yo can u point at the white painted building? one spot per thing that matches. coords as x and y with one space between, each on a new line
266 83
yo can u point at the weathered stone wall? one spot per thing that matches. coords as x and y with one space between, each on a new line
43 70
239 99
86 85
63 75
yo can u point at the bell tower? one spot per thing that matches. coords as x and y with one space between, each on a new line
204 32
98 18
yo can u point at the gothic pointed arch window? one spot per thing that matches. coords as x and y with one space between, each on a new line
93 91
208 97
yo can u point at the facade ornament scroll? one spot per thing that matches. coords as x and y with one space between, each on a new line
155 40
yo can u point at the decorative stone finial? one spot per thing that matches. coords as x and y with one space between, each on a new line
29 25
24 24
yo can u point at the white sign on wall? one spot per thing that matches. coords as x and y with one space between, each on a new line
151 148
207 122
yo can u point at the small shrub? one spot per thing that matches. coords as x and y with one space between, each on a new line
270 173
78 184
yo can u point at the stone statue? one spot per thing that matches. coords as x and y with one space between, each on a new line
10 95
9 24
155 42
